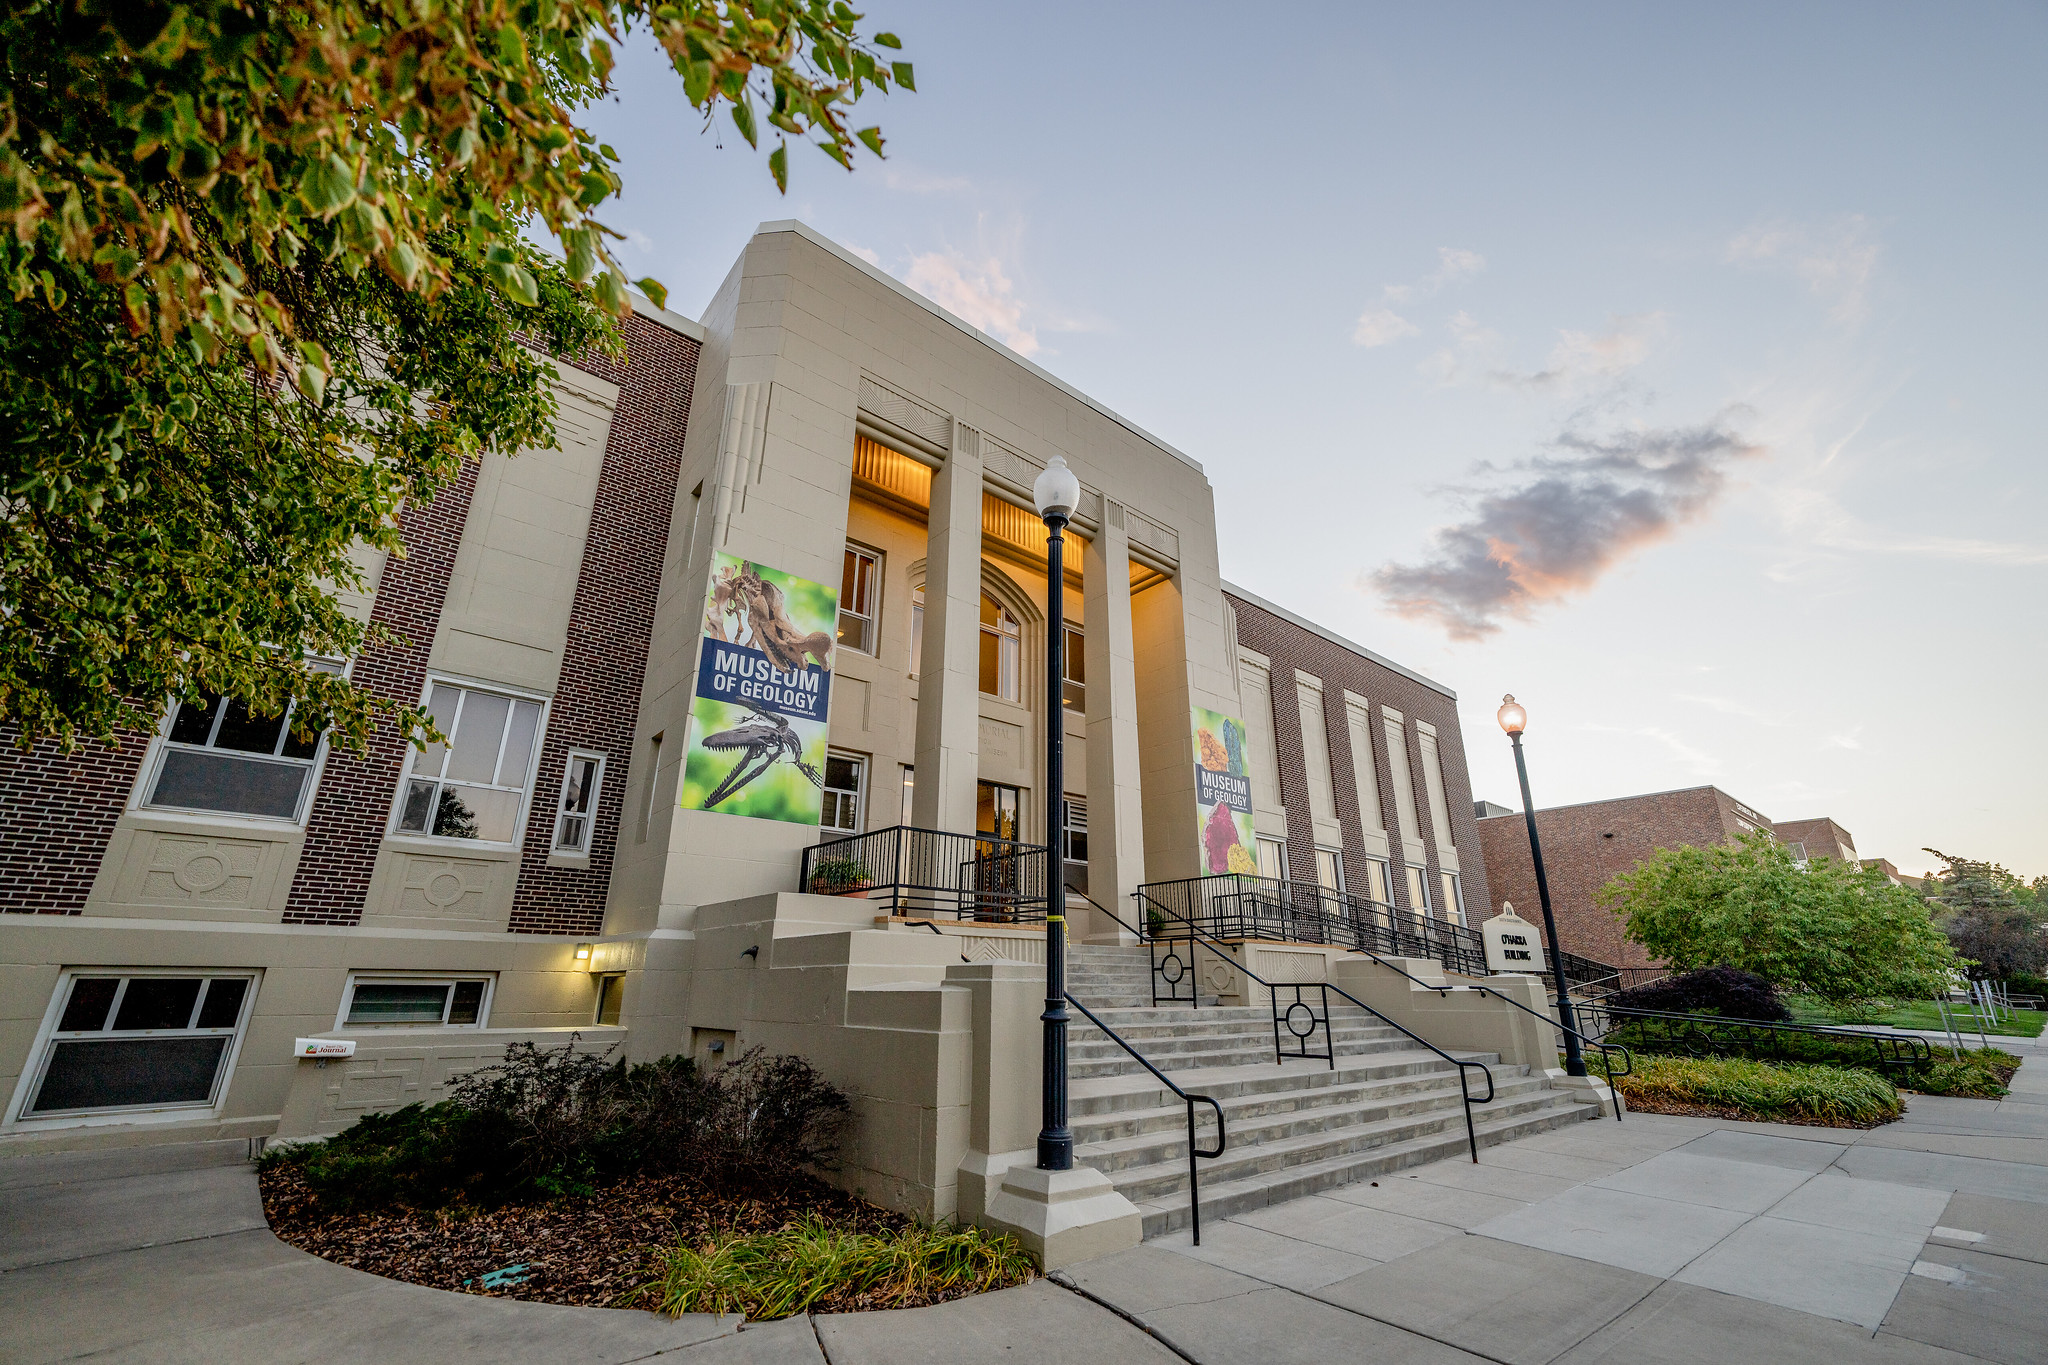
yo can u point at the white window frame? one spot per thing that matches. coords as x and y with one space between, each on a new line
1280 845
1385 880
161 745
1453 887
450 979
1070 806
1073 688
866 765
412 754
556 851
1009 650
1336 860
872 617
48 1036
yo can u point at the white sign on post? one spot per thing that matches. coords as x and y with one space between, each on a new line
1511 943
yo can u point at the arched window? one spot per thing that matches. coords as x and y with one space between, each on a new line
1002 651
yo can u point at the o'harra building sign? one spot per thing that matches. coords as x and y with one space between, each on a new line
1511 942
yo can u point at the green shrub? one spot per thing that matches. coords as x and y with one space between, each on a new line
547 1123
1762 1091
811 1264
1980 1074
1977 1075
835 874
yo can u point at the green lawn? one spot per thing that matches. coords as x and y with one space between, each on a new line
1922 1015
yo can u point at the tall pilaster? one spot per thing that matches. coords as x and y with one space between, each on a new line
1116 812
949 675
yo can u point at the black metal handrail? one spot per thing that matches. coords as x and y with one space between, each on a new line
1604 1048
1242 906
931 872
1194 1172
1464 1086
1583 973
1714 1035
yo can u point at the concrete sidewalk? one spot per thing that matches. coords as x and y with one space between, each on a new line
1654 1240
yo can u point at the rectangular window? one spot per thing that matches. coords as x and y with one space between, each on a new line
1377 887
998 810
1272 859
577 812
1002 651
1329 869
909 790
474 786
1454 898
1074 843
140 1042
218 757
611 996
845 776
1418 891
1074 673
375 1002
859 586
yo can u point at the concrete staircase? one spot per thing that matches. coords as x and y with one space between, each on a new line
1294 1127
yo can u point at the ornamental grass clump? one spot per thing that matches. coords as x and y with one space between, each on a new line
1786 1092
813 1265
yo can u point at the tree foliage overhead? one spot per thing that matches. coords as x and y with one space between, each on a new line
1831 929
269 278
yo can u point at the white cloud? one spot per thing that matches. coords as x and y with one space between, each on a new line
1579 357
1852 740
911 180
1818 520
1471 342
1378 326
1728 706
1837 261
866 253
1702 763
976 291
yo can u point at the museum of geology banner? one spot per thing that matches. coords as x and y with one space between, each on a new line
1223 794
758 723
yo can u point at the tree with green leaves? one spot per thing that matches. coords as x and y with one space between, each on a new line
1991 917
270 280
1830 929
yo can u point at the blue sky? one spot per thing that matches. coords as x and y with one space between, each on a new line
1669 369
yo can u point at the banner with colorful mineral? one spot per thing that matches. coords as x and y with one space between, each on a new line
1223 794
764 686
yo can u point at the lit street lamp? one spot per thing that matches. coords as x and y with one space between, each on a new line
1056 493
1514 720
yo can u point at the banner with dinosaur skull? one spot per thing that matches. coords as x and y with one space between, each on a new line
1223 793
759 720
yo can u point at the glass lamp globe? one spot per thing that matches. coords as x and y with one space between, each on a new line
1057 492
1513 718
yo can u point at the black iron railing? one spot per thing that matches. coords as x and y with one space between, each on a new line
930 872
1584 974
1194 1174
1162 928
1712 1035
1605 1049
1236 906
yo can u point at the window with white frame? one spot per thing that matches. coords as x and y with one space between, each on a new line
1074 672
576 813
474 786
1377 887
860 585
1074 843
1454 898
146 1040
218 757
1002 651
1272 858
419 1001
1418 890
845 778
1329 869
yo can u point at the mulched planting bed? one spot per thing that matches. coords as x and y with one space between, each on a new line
1701 1111
588 1251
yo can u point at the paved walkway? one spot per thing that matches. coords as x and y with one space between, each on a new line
1654 1240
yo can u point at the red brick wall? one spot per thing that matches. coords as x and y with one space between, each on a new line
57 811
346 826
1291 647
611 623
1584 847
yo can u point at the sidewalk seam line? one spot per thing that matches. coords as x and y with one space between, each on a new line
1061 1279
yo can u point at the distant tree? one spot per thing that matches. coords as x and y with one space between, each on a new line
268 279
1991 917
1831 929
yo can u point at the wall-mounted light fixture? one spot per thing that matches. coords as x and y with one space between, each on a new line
583 952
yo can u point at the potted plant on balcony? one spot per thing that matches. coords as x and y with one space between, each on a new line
840 876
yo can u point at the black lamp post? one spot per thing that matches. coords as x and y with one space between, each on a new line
1056 493
1514 720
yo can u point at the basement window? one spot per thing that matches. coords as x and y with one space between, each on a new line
164 1040
421 1002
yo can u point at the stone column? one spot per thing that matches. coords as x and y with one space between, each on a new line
1116 814
949 680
